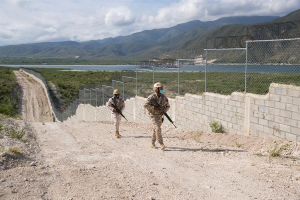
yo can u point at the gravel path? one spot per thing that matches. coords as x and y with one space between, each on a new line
85 161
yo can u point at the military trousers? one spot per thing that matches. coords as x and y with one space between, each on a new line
117 119
156 123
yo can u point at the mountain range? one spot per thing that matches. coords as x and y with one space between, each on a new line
146 44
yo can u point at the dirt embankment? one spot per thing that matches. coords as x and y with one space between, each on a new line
85 161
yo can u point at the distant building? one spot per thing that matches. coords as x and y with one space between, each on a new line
199 60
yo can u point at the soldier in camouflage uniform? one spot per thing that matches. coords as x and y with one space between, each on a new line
155 112
118 101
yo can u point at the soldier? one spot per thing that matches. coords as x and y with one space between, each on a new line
155 112
117 101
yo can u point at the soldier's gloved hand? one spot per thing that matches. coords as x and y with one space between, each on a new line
156 108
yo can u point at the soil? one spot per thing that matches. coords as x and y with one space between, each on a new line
85 161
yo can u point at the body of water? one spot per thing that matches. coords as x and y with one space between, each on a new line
188 68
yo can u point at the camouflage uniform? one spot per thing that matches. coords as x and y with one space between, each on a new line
156 115
117 117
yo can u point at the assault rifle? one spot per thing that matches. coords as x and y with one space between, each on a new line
118 110
154 103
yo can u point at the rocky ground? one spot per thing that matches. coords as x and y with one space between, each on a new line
53 160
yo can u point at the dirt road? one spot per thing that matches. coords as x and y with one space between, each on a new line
36 107
85 161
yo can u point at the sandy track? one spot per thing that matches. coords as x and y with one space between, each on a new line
35 106
86 161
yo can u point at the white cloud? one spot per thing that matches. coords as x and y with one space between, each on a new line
27 21
120 16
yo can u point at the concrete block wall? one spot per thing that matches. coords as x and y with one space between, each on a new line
276 114
197 112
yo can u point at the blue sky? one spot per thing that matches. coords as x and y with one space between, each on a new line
29 21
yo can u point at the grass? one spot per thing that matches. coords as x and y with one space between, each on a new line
15 151
65 84
197 136
259 154
238 144
276 151
9 92
17 134
216 127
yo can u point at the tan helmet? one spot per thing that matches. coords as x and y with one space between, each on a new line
157 85
116 91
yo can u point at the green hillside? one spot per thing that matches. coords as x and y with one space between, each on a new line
142 45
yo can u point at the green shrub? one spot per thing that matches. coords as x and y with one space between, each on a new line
216 127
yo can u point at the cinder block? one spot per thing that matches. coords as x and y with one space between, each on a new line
214 115
280 105
274 97
232 103
291 122
254 107
200 106
263 109
292 107
211 109
268 116
220 117
224 124
258 127
293 93
272 90
270 104
221 106
268 130
225 112
296 101
260 102
279 134
196 110
281 91
296 115
286 99
290 137
225 101
241 111
231 114
274 111
295 131
280 120
263 122
285 128
254 120
228 119
286 114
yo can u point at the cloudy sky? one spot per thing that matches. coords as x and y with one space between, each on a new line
29 21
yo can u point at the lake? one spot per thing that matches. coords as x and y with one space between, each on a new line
187 68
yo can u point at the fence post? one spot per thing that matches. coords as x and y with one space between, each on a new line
246 66
178 62
136 82
205 70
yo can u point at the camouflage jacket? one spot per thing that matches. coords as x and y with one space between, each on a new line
120 104
162 101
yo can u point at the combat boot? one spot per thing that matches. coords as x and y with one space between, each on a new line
153 146
117 134
162 146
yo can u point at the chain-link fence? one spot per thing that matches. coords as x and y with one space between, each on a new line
254 68
272 61
250 69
